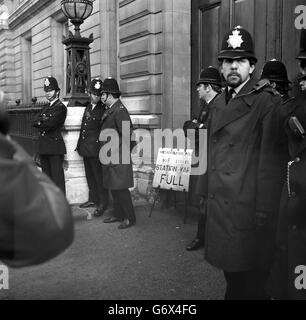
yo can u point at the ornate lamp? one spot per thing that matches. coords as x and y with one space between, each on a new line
77 47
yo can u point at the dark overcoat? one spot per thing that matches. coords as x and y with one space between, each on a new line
119 175
245 177
291 233
88 143
50 123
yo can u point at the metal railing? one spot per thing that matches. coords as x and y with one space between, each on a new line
21 130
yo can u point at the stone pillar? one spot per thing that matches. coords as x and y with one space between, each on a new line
176 62
76 185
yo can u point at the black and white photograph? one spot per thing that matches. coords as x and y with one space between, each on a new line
152 153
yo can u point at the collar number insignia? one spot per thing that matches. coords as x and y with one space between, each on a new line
47 82
235 40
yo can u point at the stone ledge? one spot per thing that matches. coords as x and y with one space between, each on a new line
26 10
145 120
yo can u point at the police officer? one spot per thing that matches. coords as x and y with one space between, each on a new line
275 71
51 146
208 86
244 173
291 233
117 173
88 147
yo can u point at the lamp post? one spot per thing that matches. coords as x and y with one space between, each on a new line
77 47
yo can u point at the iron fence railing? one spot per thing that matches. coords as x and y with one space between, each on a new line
21 130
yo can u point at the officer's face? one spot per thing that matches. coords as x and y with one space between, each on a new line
50 95
236 71
94 98
202 91
104 99
303 85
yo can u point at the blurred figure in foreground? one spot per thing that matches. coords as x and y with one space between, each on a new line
35 219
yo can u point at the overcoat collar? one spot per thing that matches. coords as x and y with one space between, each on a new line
236 108
109 111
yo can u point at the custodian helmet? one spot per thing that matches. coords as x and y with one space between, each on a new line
51 84
237 44
210 75
96 87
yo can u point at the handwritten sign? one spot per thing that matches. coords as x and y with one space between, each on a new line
172 169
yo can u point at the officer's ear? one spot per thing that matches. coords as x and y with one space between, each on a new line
209 88
273 85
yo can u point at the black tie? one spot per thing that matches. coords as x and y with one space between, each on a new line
229 95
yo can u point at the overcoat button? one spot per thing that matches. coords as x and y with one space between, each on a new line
297 159
294 227
293 194
212 196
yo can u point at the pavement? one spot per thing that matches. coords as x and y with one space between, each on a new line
145 262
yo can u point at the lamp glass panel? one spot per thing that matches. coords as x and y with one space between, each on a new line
77 9
70 10
80 10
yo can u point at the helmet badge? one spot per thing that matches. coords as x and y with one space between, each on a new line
235 40
97 85
47 82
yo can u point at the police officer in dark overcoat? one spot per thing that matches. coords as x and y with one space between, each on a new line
50 122
117 171
208 86
287 280
244 173
88 147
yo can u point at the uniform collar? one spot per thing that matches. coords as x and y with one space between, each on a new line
53 102
236 107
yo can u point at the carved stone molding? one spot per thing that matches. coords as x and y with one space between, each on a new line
26 10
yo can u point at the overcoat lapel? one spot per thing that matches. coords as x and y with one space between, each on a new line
109 111
225 114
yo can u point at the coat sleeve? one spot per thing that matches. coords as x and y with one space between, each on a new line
271 167
123 116
35 219
82 126
57 118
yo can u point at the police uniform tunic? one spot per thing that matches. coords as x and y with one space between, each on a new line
51 146
88 147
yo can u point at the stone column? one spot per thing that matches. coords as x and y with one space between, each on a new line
76 185
176 62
